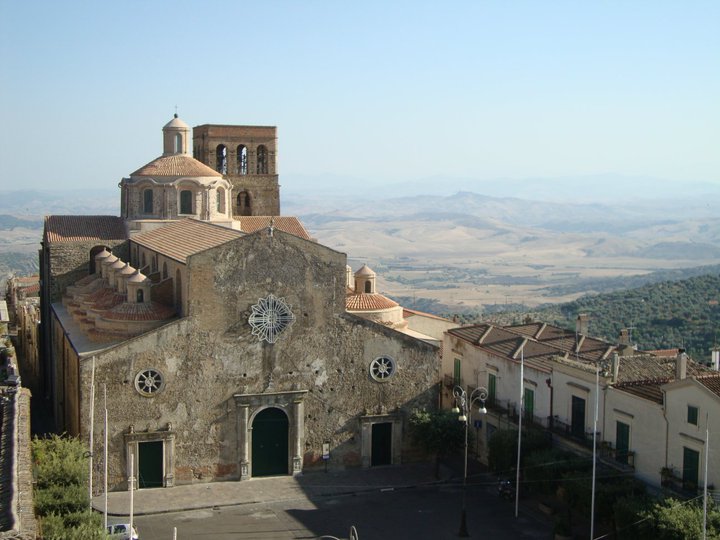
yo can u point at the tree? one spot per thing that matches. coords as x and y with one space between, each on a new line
437 432
678 520
61 494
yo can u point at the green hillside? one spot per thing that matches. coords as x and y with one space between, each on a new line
663 315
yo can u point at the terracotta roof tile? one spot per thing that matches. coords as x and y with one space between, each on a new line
368 302
176 165
711 382
83 228
180 239
139 312
288 224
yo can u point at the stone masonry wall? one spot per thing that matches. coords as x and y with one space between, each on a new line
212 355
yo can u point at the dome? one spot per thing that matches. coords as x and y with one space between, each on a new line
176 123
127 270
368 302
138 277
365 271
102 255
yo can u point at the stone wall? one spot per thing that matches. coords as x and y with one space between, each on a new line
211 357
17 513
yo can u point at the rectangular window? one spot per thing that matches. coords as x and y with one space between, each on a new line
456 372
692 415
577 420
529 404
492 385
622 442
691 466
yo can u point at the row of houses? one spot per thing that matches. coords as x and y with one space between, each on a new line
654 409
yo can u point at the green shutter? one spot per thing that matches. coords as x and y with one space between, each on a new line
529 403
622 442
492 382
456 373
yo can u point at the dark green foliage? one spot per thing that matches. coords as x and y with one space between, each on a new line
544 469
57 499
437 432
627 517
60 461
61 496
676 520
664 315
502 448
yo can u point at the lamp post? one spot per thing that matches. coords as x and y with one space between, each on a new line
463 406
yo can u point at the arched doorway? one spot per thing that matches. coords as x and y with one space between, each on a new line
270 443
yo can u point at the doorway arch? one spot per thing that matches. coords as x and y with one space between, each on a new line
270 442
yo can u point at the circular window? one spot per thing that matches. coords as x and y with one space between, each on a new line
149 382
269 317
382 368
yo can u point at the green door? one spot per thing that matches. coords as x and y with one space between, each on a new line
270 443
381 444
691 466
622 442
150 464
577 422
529 404
492 388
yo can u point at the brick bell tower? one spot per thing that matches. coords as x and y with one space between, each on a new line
246 156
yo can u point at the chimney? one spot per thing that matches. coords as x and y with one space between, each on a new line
681 365
624 345
615 366
715 359
581 324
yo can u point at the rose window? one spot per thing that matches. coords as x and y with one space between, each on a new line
270 317
382 368
149 382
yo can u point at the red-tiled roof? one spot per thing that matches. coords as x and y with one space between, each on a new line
139 312
176 165
711 382
84 228
669 353
180 239
501 342
288 224
368 302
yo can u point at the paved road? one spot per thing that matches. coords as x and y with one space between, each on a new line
425 513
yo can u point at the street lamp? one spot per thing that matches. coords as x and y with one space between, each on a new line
463 407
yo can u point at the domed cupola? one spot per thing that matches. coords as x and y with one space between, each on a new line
176 136
365 280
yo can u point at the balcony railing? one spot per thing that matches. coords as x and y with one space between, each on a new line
623 457
565 430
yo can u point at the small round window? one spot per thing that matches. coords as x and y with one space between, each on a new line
382 368
149 382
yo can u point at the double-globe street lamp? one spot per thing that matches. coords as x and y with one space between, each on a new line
463 406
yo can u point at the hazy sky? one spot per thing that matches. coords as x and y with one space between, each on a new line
383 90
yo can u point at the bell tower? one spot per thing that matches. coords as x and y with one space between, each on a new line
247 157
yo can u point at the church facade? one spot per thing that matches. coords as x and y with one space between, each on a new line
221 338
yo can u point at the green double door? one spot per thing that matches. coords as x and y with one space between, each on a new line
270 443
150 464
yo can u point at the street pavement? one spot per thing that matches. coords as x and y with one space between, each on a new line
311 485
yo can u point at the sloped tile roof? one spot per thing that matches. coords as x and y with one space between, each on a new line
176 165
288 224
501 342
368 302
139 312
83 228
645 367
711 382
180 239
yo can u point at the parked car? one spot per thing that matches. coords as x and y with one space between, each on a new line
122 531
